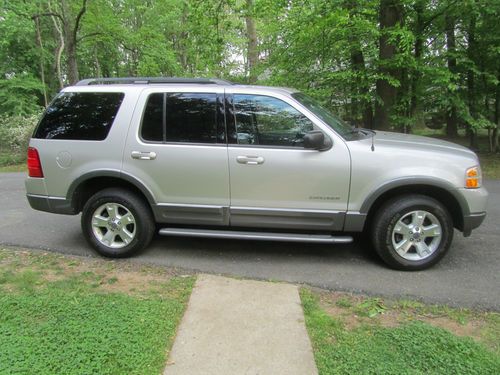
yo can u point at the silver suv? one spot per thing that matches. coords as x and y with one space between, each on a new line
207 158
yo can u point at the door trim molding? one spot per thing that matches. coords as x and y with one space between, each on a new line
263 217
286 218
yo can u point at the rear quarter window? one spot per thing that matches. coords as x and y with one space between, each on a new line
80 116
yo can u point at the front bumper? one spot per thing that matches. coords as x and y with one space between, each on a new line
472 221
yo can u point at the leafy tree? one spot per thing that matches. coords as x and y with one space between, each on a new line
383 64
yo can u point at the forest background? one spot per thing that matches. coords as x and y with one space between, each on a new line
415 66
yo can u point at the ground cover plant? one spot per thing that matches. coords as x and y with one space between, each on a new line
68 315
361 335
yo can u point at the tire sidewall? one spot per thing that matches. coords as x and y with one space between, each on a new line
126 200
394 212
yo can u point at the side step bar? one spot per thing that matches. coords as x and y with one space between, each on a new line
264 236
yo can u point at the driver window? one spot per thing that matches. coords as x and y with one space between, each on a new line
264 120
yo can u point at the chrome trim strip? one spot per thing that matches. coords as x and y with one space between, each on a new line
283 210
208 206
45 196
263 236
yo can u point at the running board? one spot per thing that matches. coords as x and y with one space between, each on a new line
264 236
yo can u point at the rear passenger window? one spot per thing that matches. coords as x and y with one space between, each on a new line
152 120
80 116
181 117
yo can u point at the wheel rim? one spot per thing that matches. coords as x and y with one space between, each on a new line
113 225
417 235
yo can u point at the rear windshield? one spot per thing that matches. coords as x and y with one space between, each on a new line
80 116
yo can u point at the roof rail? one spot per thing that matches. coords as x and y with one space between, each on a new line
152 80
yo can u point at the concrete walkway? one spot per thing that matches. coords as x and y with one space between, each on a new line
242 327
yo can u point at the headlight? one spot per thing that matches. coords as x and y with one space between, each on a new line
473 177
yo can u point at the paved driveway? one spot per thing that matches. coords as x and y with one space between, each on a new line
468 276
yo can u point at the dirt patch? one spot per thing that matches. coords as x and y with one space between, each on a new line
355 310
472 328
105 275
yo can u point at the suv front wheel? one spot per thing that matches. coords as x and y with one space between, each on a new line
412 232
117 223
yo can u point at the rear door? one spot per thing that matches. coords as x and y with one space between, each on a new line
275 181
177 148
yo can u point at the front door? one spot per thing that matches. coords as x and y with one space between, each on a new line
274 181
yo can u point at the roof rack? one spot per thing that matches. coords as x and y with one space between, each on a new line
153 80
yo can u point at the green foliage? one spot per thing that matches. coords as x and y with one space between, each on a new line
370 307
412 348
329 49
20 96
344 302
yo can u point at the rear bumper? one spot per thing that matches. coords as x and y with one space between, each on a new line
54 205
472 221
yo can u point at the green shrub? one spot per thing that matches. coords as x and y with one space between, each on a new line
15 133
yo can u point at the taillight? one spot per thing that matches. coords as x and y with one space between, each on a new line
34 165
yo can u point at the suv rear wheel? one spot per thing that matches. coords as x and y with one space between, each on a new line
412 232
117 223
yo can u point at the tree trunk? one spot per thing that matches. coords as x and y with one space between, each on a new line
70 31
97 64
252 50
183 37
496 133
72 61
359 88
390 14
451 116
415 111
67 26
471 82
59 49
358 64
36 19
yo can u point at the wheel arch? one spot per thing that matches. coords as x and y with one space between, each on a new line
88 184
442 191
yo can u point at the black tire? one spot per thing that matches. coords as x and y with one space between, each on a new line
401 208
143 227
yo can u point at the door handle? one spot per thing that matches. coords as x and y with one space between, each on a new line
250 160
143 155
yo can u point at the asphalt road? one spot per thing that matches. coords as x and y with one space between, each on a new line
468 276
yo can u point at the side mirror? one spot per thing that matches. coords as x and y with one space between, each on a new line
316 140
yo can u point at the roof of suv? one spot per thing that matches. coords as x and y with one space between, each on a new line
166 81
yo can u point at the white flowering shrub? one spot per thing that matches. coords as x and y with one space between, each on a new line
15 133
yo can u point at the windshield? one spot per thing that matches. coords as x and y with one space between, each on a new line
324 114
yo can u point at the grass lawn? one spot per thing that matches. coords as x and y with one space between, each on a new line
13 168
68 315
360 335
12 162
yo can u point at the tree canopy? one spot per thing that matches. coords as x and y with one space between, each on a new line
382 64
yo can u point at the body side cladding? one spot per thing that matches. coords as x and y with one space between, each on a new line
472 221
421 182
354 221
